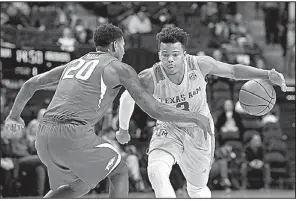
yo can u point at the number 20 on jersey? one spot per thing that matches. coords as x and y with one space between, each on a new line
80 69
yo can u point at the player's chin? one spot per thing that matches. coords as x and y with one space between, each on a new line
171 71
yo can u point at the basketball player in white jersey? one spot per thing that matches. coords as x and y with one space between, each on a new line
179 80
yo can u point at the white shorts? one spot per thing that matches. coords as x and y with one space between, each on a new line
189 148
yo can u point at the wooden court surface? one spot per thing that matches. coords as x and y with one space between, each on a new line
239 194
245 194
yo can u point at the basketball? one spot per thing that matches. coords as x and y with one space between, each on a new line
257 97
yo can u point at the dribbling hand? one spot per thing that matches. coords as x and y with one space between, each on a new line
278 79
14 125
123 136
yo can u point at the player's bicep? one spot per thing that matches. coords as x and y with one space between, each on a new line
129 79
209 65
146 80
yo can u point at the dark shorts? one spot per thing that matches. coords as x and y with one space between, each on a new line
72 152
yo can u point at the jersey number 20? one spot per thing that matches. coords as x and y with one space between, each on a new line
81 69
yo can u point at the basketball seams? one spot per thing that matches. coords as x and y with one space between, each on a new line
261 111
265 107
251 105
264 88
273 94
254 94
270 103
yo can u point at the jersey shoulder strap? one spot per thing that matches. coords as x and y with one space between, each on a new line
193 64
157 73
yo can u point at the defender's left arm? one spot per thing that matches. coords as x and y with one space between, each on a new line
208 65
47 80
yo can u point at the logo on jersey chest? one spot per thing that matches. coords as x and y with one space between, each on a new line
161 132
193 76
195 92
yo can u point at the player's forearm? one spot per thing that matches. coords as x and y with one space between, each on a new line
26 92
161 111
125 110
243 72
168 113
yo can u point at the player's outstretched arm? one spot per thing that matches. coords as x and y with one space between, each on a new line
129 79
126 108
127 105
45 80
208 65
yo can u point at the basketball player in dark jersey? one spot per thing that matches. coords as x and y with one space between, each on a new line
76 159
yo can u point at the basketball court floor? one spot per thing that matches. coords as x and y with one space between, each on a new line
240 194
244 194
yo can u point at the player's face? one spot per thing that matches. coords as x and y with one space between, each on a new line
119 49
172 56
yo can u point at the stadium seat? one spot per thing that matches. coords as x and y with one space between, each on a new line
277 145
247 116
237 147
226 136
276 156
248 135
254 124
271 130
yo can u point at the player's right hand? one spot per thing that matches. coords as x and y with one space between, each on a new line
204 123
7 163
14 125
123 136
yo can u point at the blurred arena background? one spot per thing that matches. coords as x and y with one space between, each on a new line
38 36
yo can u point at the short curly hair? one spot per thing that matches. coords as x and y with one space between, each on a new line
172 35
106 34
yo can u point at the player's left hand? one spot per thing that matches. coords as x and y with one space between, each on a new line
14 125
123 136
278 79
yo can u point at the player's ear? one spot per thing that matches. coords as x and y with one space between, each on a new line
159 54
185 52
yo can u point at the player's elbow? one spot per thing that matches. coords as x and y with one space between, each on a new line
32 85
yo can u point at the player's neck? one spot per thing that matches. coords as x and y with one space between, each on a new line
178 77
102 49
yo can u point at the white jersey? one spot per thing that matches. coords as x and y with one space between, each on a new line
190 95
